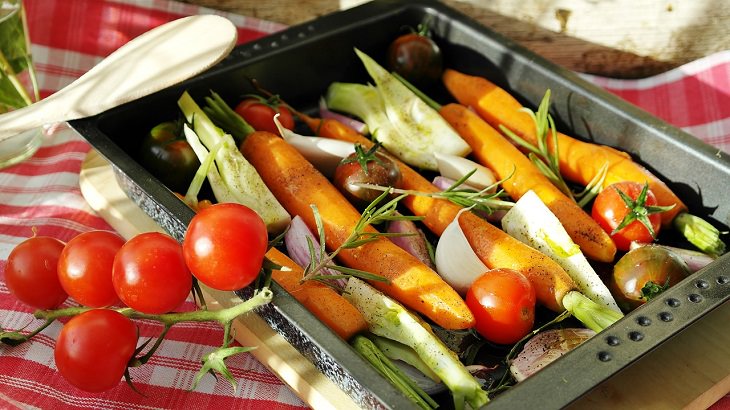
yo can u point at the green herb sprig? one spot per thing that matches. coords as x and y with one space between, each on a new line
547 160
485 200
372 215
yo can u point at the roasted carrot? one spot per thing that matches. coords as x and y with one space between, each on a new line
580 161
520 175
298 185
324 302
493 246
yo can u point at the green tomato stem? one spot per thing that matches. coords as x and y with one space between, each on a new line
594 316
222 316
15 338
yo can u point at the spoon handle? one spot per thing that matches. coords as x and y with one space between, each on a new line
159 58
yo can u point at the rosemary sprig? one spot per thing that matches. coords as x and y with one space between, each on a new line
546 160
373 214
485 200
541 155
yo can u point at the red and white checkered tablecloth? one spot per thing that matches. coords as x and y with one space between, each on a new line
69 37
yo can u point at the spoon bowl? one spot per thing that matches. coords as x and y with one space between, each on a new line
157 59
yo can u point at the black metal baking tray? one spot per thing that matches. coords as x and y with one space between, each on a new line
300 62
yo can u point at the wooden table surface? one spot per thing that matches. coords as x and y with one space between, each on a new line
617 38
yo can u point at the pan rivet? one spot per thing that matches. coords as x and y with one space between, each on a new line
666 317
695 298
721 280
604 356
643 321
636 336
702 284
613 341
672 302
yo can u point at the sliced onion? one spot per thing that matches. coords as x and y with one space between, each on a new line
295 240
455 167
415 243
356 125
456 262
324 153
544 348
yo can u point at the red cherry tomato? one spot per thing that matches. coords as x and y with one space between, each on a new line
85 268
224 246
609 210
150 275
93 349
503 304
31 273
259 113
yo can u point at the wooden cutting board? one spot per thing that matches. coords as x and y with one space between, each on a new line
691 370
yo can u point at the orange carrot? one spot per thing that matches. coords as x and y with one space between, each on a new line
324 302
494 247
298 185
520 175
580 161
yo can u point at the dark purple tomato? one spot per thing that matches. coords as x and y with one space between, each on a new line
416 57
366 167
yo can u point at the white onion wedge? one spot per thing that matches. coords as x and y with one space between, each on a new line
456 262
531 221
455 167
324 153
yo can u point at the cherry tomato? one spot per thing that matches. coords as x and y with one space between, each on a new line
85 267
150 275
369 167
259 113
93 349
503 304
224 246
31 273
611 211
169 157
645 272
416 57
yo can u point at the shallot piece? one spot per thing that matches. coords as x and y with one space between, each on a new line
356 125
295 240
414 243
544 348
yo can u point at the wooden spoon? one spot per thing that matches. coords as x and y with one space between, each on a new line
157 59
